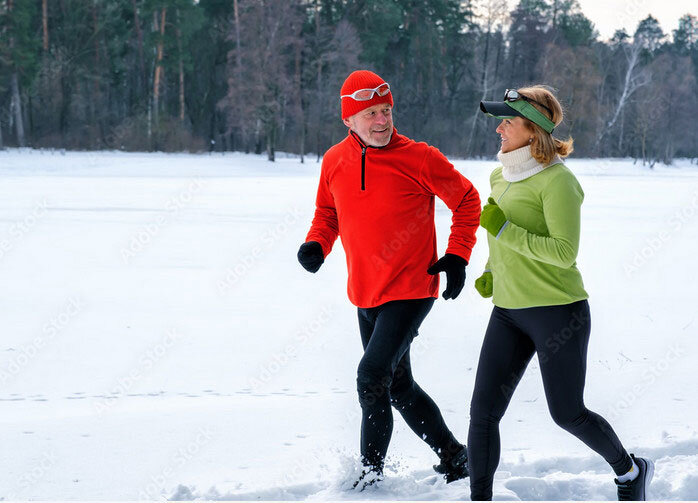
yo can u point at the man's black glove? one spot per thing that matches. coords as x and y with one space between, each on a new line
310 256
454 267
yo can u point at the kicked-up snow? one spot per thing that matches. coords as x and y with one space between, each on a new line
159 338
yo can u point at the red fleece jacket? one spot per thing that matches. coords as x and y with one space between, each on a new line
380 200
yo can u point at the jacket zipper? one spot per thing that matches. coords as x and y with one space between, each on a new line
364 148
363 168
505 191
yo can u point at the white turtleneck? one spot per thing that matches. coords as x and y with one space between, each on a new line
519 164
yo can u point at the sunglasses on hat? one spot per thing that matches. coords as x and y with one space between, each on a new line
367 94
514 95
518 105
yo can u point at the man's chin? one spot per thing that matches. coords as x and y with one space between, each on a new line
380 140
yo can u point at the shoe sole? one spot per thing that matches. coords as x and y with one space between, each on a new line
649 473
370 484
456 479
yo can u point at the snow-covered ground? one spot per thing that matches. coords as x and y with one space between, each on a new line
160 339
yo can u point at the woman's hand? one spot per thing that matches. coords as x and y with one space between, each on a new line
492 217
484 284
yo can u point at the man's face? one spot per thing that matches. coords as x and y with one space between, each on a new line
374 125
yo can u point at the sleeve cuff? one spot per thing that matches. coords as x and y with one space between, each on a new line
502 229
461 252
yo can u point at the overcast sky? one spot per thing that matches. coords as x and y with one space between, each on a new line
609 15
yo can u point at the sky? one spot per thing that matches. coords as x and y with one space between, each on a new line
609 15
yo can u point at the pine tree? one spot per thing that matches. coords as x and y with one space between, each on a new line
649 34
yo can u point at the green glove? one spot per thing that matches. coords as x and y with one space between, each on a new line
484 284
492 217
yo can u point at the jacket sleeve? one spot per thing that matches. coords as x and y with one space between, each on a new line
562 201
488 268
441 179
325 226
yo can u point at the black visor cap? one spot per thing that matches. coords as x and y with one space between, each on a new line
499 109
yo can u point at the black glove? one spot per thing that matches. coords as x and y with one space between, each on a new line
454 267
310 256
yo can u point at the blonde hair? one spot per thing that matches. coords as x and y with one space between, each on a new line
545 146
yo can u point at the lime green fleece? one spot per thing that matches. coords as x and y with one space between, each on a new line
533 257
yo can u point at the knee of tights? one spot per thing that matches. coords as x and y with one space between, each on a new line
371 387
569 419
484 415
402 396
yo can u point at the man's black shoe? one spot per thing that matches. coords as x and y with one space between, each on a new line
454 469
369 476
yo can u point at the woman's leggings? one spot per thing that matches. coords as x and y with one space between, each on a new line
385 378
560 337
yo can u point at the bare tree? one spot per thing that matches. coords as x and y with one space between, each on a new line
495 14
300 109
258 101
180 69
158 62
16 102
139 44
635 78
44 22
339 56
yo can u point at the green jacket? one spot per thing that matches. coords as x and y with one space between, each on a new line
533 258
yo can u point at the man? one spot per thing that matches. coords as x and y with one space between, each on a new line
377 191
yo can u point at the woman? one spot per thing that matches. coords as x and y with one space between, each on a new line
533 221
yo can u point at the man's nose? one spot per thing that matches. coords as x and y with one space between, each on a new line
381 119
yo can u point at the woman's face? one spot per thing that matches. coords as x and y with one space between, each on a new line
514 134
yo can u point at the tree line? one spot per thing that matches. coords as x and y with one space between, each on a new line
264 75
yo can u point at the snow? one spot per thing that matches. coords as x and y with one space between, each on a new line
160 340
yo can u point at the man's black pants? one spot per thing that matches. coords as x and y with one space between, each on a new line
384 377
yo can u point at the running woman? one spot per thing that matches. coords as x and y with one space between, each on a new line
533 223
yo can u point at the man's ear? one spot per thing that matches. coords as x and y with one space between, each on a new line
347 123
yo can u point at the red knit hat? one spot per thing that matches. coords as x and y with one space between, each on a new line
362 79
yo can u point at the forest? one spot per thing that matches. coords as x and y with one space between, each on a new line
263 76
